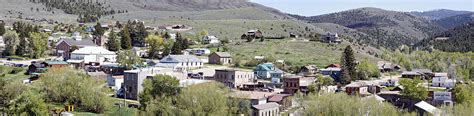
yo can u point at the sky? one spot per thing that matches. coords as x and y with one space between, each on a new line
318 7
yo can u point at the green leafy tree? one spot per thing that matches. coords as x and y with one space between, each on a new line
324 81
348 62
203 99
126 40
166 35
113 43
413 89
329 105
11 41
464 93
155 45
38 44
158 87
128 58
73 87
366 69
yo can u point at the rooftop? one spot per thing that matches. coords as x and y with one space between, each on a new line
80 43
266 106
428 108
253 94
93 50
223 54
180 58
55 62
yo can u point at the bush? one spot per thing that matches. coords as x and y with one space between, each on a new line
16 70
68 86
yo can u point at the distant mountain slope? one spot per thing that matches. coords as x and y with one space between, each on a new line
439 14
455 21
386 28
459 39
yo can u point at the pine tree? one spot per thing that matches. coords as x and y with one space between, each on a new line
113 43
98 30
126 40
348 62
178 44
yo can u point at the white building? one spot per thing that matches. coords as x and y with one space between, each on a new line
198 51
442 80
268 109
181 62
213 40
92 54
115 82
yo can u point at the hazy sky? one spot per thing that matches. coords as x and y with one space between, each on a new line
317 7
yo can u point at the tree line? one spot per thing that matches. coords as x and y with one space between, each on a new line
88 10
25 40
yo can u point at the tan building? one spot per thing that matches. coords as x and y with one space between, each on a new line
293 84
222 58
233 78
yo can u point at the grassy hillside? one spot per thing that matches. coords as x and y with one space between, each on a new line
295 52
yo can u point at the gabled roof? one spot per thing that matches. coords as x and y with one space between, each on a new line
180 58
93 50
55 62
266 106
277 97
310 67
80 43
428 108
223 54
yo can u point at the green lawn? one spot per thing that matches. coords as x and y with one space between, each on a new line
295 52
13 78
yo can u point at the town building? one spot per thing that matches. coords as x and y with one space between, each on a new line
212 40
92 55
293 84
221 58
133 80
115 82
234 78
308 71
442 80
197 51
268 109
254 34
65 45
284 100
41 67
181 62
424 108
331 38
268 71
387 66
418 73
334 72
363 88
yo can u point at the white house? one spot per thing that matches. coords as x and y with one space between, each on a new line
198 51
442 80
115 82
268 109
92 54
180 62
213 40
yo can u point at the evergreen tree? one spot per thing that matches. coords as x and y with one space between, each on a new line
166 35
2 28
126 41
113 43
348 62
98 30
178 45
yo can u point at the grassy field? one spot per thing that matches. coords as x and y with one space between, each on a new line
295 52
13 77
